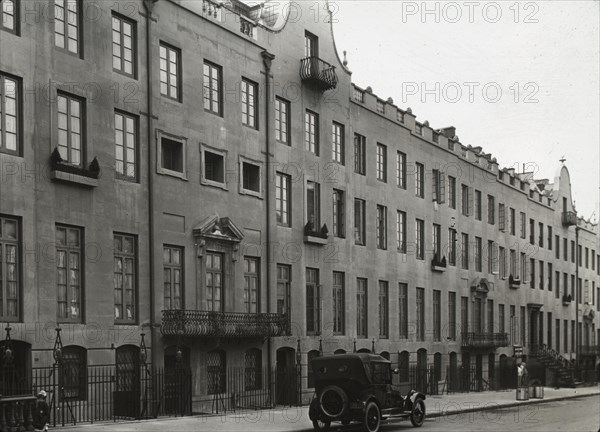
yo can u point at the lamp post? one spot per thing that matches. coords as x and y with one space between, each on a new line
58 347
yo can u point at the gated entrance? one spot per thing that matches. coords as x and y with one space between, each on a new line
127 395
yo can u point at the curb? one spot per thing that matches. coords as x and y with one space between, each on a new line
493 405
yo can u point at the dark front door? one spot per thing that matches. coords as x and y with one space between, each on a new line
287 375
127 389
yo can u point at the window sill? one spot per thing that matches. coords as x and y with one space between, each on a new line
170 173
315 240
438 268
213 183
251 193
67 177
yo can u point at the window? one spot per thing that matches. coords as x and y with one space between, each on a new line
251 178
381 228
359 222
439 186
127 368
313 205
69 246
490 316
501 217
249 103
10 115
311 45
557 283
170 72
452 246
125 277
251 284
358 95
172 156
464 314
253 369
173 277
67 25
502 253
360 155
465 250
549 230
524 267
401 170
531 231
478 205
400 116
216 367
380 106
10 268
419 180
437 315
339 214
361 308
213 88
573 251
73 373
124 45
313 302
557 247
213 167
490 256
381 163
337 143
501 319
452 316
541 235
126 127
587 257
464 190
550 274
420 303
451 192
420 239
513 264
282 120
478 253
71 127
523 225
491 210
284 280
532 273
283 200
339 303
311 132
437 241
401 231
10 16
403 310
383 310
512 221
565 250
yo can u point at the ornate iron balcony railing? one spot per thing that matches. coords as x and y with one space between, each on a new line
318 72
569 218
192 323
484 340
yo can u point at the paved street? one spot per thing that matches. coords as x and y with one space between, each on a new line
456 412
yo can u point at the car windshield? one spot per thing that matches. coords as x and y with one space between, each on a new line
381 373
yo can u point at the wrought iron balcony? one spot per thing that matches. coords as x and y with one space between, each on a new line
192 323
569 218
484 340
318 72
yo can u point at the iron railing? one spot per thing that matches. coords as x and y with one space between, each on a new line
319 72
569 218
193 323
589 349
484 340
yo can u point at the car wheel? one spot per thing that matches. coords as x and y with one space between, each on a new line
417 415
372 417
320 425
333 402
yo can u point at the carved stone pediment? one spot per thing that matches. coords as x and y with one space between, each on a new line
219 229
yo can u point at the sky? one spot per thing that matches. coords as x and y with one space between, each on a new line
520 79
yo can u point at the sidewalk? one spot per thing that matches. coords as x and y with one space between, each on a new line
296 418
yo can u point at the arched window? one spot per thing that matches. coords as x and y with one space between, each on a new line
437 366
253 369
216 364
127 361
310 377
340 351
73 372
385 355
403 366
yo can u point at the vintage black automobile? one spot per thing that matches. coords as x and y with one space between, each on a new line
358 388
